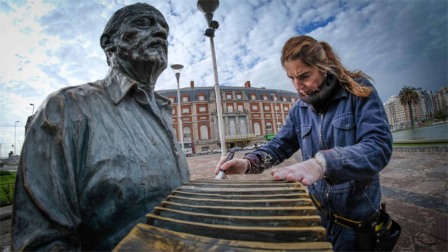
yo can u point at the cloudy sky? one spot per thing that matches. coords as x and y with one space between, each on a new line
48 45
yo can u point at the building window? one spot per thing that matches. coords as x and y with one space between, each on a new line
185 111
201 98
279 125
228 96
232 126
239 96
204 132
240 108
171 99
284 98
242 125
267 108
229 108
253 97
277 108
187 134
202 109
254 107
265 97
285 108
292 99
185 98
257 129
268 126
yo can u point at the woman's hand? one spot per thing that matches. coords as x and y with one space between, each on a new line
234 166
306 172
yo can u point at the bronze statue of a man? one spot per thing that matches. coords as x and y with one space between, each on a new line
99 156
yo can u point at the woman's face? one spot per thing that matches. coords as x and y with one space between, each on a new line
306 79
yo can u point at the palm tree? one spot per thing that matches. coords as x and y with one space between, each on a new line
409 96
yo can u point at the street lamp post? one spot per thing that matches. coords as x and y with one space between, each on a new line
15 127
208 7
177 68
275 114
31 104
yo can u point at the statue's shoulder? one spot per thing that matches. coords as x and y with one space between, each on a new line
83 90
66 100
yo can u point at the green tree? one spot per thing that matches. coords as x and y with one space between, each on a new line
440 115
409 96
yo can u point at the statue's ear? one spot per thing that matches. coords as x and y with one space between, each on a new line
106 43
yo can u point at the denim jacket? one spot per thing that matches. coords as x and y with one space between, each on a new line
353 135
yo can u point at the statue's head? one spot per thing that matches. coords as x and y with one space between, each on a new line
135 39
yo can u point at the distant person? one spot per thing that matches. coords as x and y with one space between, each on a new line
340 126
98 157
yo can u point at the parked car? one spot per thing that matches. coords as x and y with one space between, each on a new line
205 151
217 150
188 152
237 148
249 147
263 144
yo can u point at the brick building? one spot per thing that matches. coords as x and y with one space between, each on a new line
250 114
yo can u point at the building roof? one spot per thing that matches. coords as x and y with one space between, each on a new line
194 92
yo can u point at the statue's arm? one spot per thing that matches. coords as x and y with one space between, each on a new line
45 212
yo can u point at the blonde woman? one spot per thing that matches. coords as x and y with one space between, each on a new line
340 126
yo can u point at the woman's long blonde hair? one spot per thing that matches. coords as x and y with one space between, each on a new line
321 55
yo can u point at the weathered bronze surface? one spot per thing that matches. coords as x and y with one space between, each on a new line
237 215
98 157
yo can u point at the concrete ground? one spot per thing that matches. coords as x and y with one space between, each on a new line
414 187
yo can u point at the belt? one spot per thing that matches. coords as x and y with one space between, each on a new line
332 181
367 224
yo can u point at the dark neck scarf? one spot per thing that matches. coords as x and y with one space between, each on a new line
320 98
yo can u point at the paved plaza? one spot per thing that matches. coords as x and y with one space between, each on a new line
414 187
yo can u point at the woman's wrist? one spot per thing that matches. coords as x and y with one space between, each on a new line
255 161
320 159
248 166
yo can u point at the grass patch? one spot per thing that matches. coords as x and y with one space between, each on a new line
7 181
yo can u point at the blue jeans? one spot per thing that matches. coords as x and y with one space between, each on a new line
354 200
342 238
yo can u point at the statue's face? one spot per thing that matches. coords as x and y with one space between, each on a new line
143 38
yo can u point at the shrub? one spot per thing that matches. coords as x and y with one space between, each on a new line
4 173
6 195
7 181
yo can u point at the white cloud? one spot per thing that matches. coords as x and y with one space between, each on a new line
47 45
